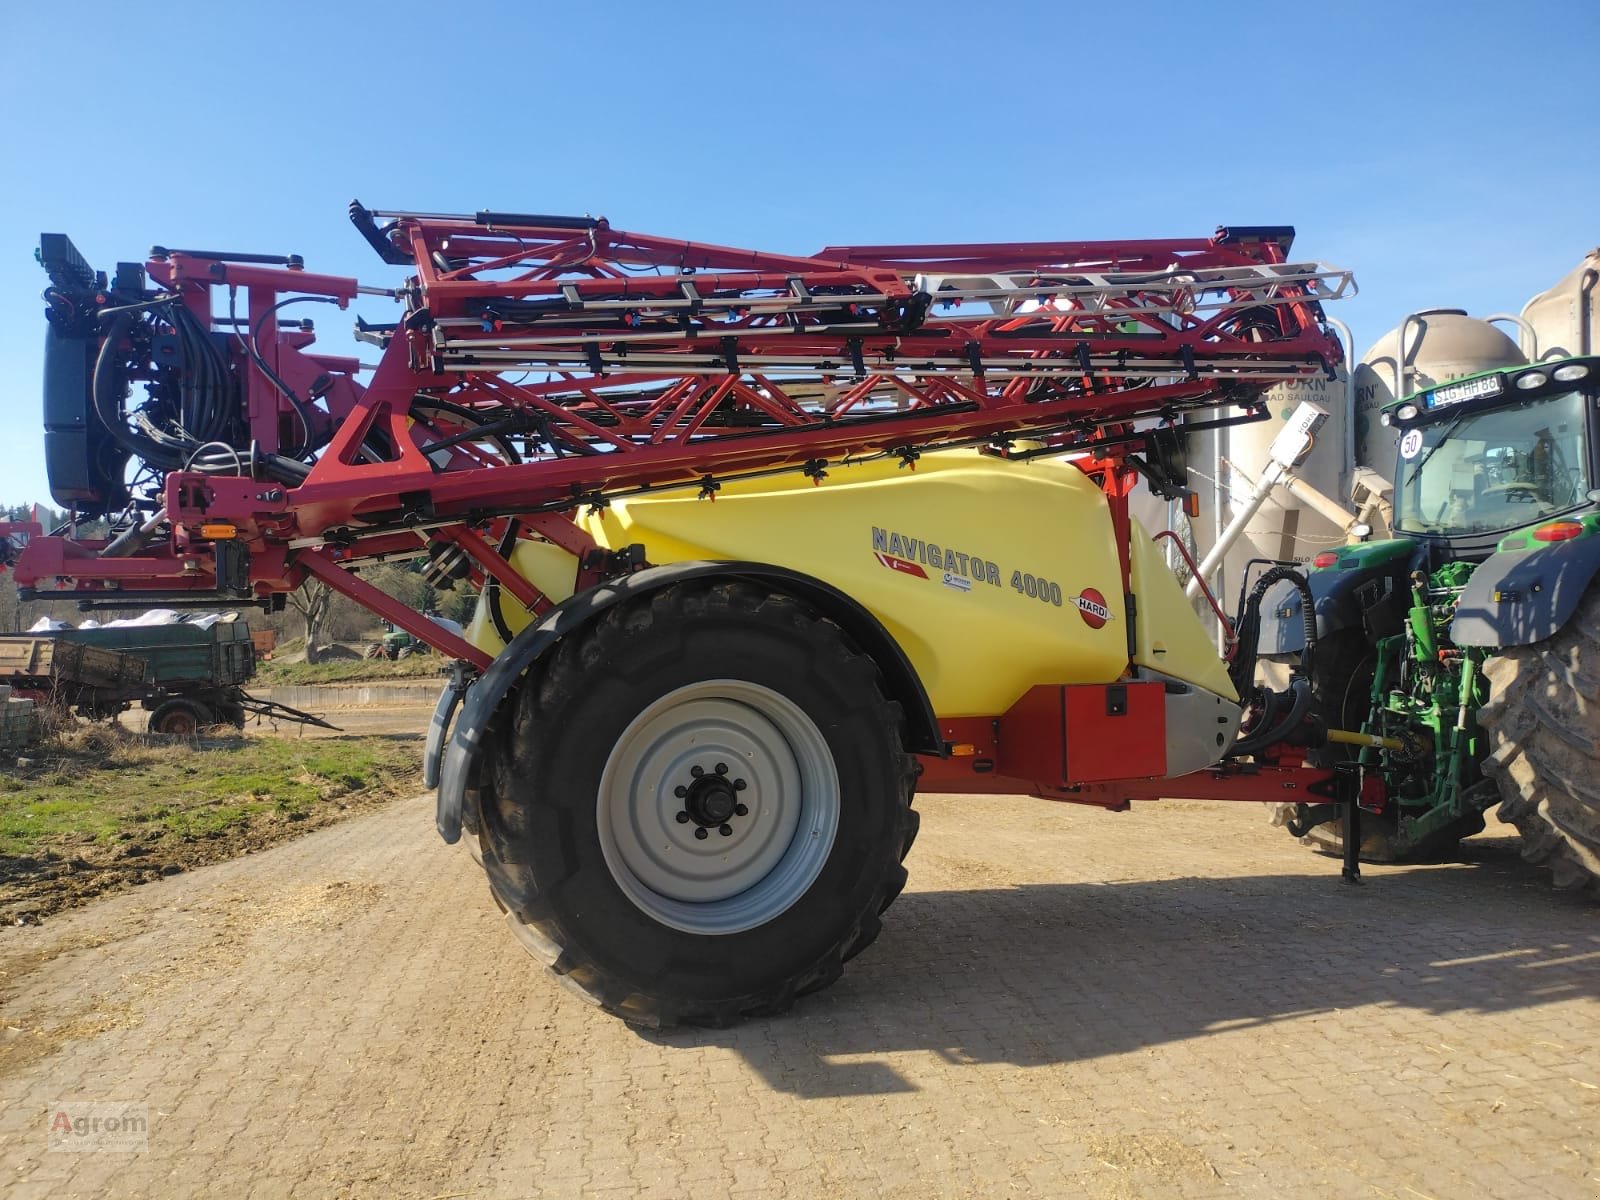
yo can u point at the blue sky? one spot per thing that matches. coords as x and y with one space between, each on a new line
1445 152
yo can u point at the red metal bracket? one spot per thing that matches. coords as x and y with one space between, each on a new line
321 564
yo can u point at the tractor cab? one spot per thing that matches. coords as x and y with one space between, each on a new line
1485 456
1505 460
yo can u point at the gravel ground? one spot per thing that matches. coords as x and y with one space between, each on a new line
1177 1001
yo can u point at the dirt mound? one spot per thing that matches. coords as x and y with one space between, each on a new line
336 652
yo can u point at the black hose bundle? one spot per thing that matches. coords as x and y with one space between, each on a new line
195 422
1247 630
1280 712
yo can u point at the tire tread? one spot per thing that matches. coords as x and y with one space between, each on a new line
557 679
1543 721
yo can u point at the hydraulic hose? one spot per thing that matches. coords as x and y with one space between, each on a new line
1248 626
203 410
288 393
134 539
214 410
205 413
1269 729
492 590
140 306
105 367
1275 723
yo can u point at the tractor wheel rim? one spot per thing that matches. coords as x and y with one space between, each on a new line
718 807
181 723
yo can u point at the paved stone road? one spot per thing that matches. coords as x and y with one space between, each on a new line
1173 1002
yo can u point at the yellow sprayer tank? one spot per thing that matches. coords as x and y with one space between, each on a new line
984 607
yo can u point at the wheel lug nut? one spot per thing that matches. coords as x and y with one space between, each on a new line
697 771
739 785
740 810
701 833
680 792
725 830
722 768
683 818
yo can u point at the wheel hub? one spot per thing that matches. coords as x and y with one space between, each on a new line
718 806
711 800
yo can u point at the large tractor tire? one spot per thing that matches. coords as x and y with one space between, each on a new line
699 805
1543 720
1341 685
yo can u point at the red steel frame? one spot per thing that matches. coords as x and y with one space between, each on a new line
1280 776
639 362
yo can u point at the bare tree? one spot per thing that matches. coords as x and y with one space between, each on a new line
312 600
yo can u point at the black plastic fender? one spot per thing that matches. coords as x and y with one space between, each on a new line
483 697
1334 595
1517 597
439 724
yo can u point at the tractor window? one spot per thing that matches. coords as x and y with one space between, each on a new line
1493 471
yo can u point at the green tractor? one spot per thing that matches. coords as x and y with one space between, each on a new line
1459 661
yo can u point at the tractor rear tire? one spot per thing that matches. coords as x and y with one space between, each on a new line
698 806
1341 685
1543 721
180 718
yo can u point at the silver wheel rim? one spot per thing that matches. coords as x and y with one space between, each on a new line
746 870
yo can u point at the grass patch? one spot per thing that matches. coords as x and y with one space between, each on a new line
100 807
351 670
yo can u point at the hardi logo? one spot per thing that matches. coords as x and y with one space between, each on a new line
1092 608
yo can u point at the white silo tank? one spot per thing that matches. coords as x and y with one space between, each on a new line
1441 344
1282 528
1563 318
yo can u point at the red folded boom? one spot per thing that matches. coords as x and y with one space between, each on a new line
542 364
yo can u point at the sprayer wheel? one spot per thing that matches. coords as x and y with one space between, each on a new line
698 808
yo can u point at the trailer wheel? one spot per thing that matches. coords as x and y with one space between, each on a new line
1341 684
700 805
180 718
1543 721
